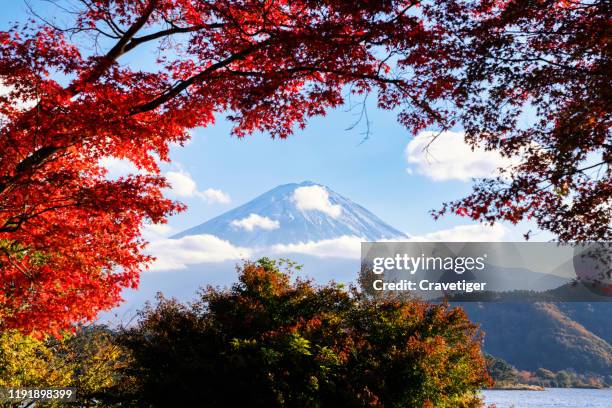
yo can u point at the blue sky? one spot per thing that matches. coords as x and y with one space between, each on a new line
371 172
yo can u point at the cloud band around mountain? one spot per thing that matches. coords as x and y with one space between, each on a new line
172 254
175 254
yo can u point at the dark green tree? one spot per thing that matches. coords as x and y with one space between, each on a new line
269 341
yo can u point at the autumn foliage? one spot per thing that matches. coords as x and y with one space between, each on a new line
88 361
70 237
271 342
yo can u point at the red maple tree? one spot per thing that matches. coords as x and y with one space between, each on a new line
70 237
535 85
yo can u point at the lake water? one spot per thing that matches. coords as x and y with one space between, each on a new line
550 398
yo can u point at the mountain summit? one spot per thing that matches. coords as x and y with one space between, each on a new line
293 213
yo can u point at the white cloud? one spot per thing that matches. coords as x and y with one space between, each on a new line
194 249
213 195
183 185
315 198
197 249
347 246
181 182
449 157
256 221
155 232
118 167
466 233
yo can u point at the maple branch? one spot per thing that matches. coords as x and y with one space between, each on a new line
354 75
30 163
118 49
183 85
571 173
136 41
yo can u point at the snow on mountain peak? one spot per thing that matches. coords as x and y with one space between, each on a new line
315 198
294 213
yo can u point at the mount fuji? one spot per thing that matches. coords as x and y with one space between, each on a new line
293 213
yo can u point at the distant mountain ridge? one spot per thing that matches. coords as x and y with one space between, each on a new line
285 223
555 336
